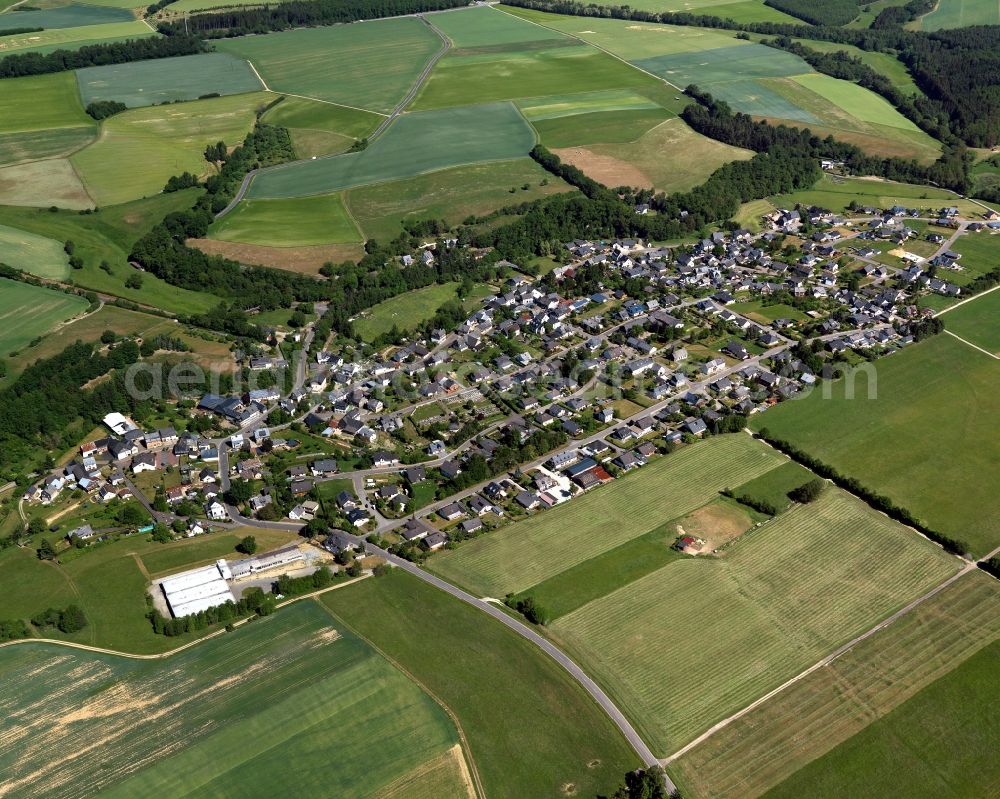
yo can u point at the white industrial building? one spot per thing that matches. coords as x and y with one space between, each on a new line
268 560
196 590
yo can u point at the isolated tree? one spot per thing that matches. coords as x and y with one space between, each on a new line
46 551
808 492
239 492
247 546
72 619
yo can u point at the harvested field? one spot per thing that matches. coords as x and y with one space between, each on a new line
306 260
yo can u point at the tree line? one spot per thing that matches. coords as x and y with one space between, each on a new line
95 55
818 12
240 20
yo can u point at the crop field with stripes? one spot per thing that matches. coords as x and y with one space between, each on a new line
695 641
832 704
519 556
288 705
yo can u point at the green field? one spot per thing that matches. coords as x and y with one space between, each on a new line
961 14
321 128
641 163
980 254
41 116
405 311
519 556
741 11
413 145
167 80
945 474
140 149
71 38
108 235
38 255
287 223
886 63
978 321
27 312
832 704
449 194
72 15
937 743
734 627
486 27
836 193
252 712
773 486
533 731
43 184
193 6
601 128
370 65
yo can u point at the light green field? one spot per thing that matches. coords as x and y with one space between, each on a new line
449 194
370 65
414 144
746 11
138 150
602 127
537 109
321 128
507 75
163 80
836 194
41 116
864 105
32 145
936 738
38 255
961 14
524 743
252 712
518 556
61 15
670 157
834 703
71 38
773 486
42 184
980 254
485 26
288 223
759 312
405 311
946 474
886 63
43 49
29 311
108 235
702 637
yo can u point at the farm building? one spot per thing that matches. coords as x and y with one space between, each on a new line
269 560
199 589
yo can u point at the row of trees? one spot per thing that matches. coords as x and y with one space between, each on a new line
95 55
818 12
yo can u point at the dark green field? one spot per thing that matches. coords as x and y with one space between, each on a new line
531 730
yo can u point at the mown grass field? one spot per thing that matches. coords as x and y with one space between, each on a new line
415 144
38 255
838 702
30 311
641 163
449 194
978 321
836 193
370 65
773 486
524 743
937 742
139 150
960 14
108 235
142 83
248 712
945 473
689 644
321 128
519 556
300 221
406 311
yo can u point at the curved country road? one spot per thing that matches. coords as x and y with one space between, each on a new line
400 107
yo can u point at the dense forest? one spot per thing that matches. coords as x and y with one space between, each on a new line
239 20
95 55
958 70
818 12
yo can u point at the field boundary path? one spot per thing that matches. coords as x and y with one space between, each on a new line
842 650
974 346
385 123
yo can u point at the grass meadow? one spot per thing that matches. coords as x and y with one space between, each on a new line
836 193
519 556
370 65
836 703
741 11
978 321
980 254
486 27
641 163
71 38
925 440
142 83
37 255
27 312
140 149
300 221
773 486
449 194
960 14
73 15
533 732
108 235
321 128
938 742
685 646
247 712
414 144
406 311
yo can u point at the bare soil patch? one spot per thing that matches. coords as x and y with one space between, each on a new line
605 168
304 260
